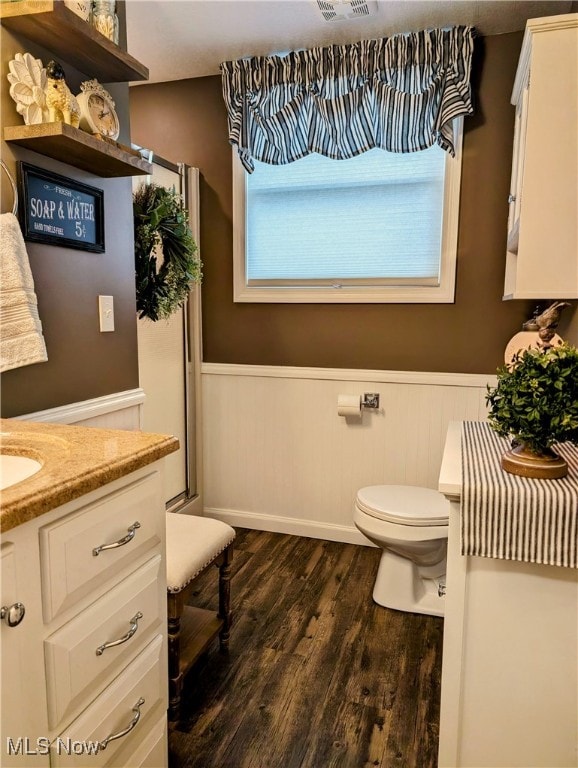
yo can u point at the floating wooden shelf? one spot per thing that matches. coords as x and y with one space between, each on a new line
51 24
75 147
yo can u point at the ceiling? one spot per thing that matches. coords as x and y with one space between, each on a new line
179 39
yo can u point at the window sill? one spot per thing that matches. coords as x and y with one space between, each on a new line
377 295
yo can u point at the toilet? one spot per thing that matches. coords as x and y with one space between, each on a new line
410 525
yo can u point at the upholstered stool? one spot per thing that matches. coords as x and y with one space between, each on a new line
193 545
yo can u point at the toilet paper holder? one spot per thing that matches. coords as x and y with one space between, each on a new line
370 400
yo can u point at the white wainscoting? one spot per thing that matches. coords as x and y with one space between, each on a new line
119 410
278 457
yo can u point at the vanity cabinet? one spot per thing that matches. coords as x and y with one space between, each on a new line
87 666
509 668
542 244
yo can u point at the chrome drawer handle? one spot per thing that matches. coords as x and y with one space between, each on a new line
133 628
137 713
12 614
121 542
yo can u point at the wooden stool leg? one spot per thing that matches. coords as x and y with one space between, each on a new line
225 597
175 610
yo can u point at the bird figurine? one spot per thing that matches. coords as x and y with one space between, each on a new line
547 322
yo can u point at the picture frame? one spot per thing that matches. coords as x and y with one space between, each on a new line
56 210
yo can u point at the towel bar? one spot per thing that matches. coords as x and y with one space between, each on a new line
13 185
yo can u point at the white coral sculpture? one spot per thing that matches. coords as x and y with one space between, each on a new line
27 79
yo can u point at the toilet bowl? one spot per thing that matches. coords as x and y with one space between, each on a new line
410 525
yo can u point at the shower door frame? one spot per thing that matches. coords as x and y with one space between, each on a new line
190 500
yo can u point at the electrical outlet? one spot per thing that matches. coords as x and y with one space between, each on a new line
106 313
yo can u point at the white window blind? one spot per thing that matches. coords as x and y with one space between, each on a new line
377 216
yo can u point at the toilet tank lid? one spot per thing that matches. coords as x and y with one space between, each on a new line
405 504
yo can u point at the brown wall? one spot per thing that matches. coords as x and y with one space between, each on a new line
82 362
186 121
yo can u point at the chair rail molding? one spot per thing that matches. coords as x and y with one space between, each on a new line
350 374
118 410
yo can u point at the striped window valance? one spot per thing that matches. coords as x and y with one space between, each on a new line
399 93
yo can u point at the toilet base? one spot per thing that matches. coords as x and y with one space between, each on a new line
404 586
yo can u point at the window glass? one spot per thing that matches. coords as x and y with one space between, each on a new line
377 215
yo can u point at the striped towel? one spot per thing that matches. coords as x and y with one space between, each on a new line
21 339
516 518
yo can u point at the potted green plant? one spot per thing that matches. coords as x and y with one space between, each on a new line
536 403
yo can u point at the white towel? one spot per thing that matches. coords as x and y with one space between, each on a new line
21 339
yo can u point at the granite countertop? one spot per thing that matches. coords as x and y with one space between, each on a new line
75 460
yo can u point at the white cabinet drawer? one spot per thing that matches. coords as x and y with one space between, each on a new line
70 569
77 664
114 711
153 751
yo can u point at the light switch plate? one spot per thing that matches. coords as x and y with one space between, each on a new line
106 313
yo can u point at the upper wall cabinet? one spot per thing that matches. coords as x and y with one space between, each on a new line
542 250
51 24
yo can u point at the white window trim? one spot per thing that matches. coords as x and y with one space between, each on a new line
351 294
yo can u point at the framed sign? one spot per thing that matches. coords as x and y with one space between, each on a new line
60 211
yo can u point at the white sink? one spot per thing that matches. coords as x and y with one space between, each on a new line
14 469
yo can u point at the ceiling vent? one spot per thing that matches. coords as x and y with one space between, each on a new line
338 10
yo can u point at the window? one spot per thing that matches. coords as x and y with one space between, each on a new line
380 227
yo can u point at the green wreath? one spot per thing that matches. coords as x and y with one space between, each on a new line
166 264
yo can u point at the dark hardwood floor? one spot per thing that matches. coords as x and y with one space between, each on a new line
317 675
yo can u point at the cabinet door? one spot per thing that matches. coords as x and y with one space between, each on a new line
19 694
542 239
515 198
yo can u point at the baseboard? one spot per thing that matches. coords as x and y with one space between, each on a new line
291 525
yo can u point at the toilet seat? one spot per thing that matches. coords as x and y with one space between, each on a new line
404 505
